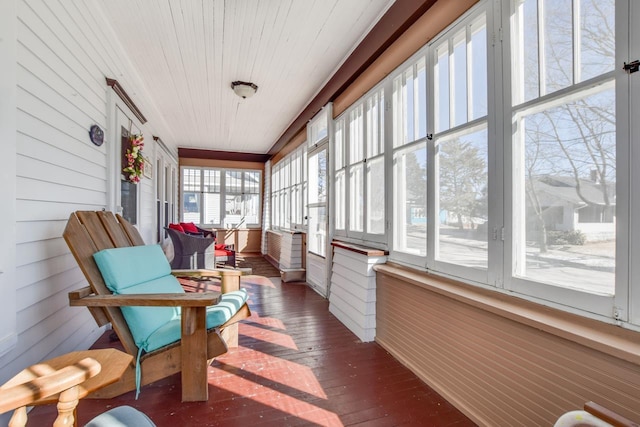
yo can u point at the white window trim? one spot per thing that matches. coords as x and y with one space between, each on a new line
363 237
223 193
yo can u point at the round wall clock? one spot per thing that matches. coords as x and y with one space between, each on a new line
96 134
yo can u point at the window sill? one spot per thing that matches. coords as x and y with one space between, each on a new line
362 250
606 338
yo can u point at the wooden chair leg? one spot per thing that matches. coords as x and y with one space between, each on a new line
19 417
67 403
195 385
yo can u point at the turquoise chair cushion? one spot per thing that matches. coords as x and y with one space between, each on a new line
145 270
140 270
217 314
125 267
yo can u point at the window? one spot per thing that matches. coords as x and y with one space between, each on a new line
220 197
460 182
409 120
522 196
440 153
289 191
359 176
564 142
318 133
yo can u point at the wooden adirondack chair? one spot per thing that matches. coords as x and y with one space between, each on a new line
88 232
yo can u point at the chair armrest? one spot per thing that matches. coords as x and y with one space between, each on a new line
206 232
190 299
197 272
219 272
21 391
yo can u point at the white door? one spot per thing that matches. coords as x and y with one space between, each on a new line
165 176
126 194
317 220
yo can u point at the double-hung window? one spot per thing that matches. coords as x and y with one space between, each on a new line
564 160
440 153
359 164
221 197
459 183
507 153
409 118
288 192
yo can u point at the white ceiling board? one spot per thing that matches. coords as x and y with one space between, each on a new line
187 53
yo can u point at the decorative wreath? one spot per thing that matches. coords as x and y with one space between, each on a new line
135 160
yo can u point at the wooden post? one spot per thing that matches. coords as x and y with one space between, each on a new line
230 281
195 384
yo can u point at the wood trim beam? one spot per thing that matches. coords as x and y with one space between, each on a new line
400 16
119 90
194 153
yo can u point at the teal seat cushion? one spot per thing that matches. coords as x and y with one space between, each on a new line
125 267
217 315
145 270
140 270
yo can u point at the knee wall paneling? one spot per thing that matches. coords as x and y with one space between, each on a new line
496 370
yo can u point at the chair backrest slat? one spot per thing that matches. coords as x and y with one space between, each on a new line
114 229
85 235
132 232
95 229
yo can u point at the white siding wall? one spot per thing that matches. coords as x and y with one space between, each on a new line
64 51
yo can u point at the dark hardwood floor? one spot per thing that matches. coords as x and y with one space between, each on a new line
296 365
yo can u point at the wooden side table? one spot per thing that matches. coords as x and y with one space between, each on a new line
114 363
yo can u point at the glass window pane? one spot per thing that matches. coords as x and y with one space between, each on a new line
251 208
375 196
211 208
318 177
356 198
233 181
252 182
597 38
233 210
459 67
275 209
398 112
319 128
191 179
340 200
525 52
408 105
421 99
462 199
410 200
566 198
317 235
441 88
191 207
356 141
211 181
478 67
374 126
338 151
557 27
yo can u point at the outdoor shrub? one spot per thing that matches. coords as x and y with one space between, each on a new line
574 237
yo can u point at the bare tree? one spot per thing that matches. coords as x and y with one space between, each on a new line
462 172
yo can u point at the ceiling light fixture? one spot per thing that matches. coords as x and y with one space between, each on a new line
244 89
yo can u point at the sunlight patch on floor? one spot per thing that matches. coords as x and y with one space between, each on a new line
273 337
288 387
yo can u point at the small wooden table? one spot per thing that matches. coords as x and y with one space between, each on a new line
114 363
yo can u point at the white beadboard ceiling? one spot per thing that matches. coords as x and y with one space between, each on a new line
187 53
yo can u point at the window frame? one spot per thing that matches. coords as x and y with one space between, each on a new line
363 236
624 306
223 193
591 304
282 195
